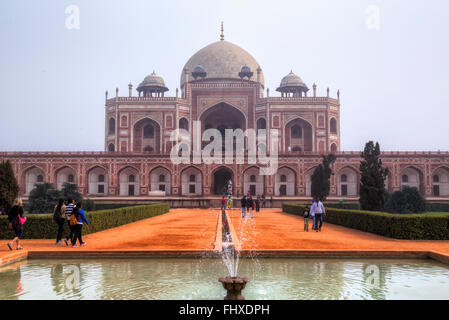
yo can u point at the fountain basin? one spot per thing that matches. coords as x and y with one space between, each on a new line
234 287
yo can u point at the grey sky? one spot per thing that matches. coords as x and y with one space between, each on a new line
393 81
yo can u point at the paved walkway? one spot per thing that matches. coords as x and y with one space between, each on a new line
196 229
271 229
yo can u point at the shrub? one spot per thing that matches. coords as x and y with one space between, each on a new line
41 226
9 189
399 226
42 198
348 205
437 206
407 200
70 191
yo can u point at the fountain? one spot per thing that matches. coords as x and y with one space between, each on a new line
234 287
232 284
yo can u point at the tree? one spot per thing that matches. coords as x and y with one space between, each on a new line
43 198
70 191
321 176
9 188
407 200
372 179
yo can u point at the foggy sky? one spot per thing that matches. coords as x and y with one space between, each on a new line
393 80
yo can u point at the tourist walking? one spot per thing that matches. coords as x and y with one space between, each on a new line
80 217
312 214
223 203
68 213
16 218
249 205
305 214
59 218
263 201
229 203
319 211
258 203
243 202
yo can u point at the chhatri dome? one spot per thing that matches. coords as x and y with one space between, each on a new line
222 60
292 83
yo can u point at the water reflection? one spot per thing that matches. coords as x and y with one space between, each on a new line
10 278
315 279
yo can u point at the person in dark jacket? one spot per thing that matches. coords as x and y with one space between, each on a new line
258 203
249 205
243 201
77 230
59 218
14 215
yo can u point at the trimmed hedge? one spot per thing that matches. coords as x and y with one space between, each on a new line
346 205
41 226
437 206
398 226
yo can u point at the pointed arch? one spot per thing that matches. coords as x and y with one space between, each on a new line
160 180
298 134
285 181
65 174
348 182
412 176
253 182
191 187
129 181
33 175
98 180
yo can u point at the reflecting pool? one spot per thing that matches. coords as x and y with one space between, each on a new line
172 278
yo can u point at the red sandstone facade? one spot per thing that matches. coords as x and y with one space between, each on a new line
136 161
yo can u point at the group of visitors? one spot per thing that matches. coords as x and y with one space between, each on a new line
249 205
226 203
316 212
75 217
72 213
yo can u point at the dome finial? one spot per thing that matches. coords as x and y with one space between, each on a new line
222 34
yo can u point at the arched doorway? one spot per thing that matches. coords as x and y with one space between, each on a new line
253 182
221 117
33 176
285 182
65 175
221 180
129 182
298 135
348 182
160 180
412 177
147 136
191 182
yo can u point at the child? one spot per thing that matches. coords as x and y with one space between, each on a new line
306 213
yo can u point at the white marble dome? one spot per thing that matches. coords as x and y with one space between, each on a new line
222 60
292 80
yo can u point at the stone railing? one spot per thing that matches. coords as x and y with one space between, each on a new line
155 153
146 99
298 99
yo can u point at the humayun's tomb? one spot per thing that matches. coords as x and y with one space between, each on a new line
221 85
